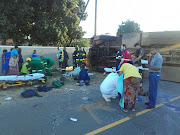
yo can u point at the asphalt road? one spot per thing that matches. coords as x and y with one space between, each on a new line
50 115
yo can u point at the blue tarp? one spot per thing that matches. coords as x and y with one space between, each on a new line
121 90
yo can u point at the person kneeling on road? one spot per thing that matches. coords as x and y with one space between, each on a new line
83 78
48 63
26 67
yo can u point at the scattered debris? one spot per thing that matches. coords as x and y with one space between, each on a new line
85 98
73 119
8 98
139 99
91 74
71 89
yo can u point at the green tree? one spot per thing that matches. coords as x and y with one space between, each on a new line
80 43
42 22
128 27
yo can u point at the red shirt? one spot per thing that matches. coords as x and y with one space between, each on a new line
126 55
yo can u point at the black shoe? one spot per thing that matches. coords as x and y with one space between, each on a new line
150 107
147 103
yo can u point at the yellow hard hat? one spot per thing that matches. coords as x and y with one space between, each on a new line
28 59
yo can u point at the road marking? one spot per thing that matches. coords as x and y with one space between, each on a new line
127 118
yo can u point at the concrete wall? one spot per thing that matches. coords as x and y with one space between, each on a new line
160 38
41 51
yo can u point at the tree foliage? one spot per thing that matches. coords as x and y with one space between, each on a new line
80 43
42 22
128 27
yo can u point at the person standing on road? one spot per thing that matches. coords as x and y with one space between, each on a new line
131 84
58 53
75 51
80 57
13 62
125 54
20 62
7 57
139 54
64 59
118 59
3 61
155 66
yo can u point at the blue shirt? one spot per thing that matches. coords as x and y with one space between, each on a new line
7 56
156 62
58 53
83 75
14 52
34 55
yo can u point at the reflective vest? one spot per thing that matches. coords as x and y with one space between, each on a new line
80 56
25 69
62 55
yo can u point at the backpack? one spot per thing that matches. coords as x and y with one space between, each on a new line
57 84
30 93
43 88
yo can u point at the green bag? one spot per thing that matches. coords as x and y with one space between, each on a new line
57 84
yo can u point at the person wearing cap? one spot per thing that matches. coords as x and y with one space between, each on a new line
13 62
139 54
118 59
26 67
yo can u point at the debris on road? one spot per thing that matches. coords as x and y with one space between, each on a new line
85 98
91 74
73 119
90 99
139 99
8 98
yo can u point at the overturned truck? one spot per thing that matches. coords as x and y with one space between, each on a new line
104 49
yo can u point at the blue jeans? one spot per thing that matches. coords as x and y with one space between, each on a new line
153 82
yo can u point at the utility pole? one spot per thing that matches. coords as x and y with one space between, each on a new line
95 18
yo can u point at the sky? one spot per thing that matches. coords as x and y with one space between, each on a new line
151 15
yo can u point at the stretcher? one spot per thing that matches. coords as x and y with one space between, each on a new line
17 80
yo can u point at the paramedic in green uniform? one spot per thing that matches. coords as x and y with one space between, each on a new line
36 65
48 63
